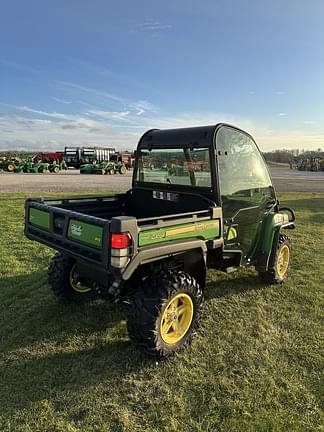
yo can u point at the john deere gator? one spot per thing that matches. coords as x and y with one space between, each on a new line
151 246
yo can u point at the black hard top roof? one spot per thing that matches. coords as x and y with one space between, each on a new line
200 136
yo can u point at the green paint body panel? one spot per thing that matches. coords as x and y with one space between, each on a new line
88 234
270 225
86 169
39 218
204 230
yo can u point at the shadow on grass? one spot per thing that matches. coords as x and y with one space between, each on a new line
51 364
50 348
27 300
51 376
233 286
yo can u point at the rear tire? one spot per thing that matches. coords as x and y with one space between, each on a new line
122 170
61 279
165 313
280 260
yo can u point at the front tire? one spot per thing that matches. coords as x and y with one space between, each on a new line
165 313
63 281
280 260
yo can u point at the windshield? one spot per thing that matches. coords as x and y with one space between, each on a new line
183 166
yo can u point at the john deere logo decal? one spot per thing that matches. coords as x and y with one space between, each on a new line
76 230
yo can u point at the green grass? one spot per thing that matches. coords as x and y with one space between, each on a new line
256 365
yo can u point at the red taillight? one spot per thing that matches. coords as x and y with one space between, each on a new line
120 241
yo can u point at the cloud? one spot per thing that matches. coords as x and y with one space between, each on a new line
94 91
43 113
21 126
103 71
36 129
279 92
309 122
282 114
140 106
111 115
154 25
20 67
63 101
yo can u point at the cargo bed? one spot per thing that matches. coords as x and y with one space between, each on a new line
81 227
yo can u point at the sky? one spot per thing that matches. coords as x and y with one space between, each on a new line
102 72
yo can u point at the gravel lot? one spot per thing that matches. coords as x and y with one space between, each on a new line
65 181
285 180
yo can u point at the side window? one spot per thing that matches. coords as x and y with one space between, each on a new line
243 174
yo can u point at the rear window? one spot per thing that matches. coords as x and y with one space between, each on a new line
183 166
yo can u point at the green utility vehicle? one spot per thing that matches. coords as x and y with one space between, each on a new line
152 245
109 167
56 167
33 168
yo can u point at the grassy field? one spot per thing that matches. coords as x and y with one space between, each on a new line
256 365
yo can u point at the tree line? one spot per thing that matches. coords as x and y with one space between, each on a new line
286 156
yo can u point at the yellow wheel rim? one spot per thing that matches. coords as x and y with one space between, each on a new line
75 285
283 261
176 318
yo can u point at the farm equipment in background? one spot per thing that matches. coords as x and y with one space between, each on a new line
19 168
2 161
311 164
86 169
32 167
9 165
77 156
29 167
57 167
42 167
103 168
127 158
123 158
49 157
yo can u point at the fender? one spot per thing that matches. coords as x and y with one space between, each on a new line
150 254
271 227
